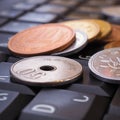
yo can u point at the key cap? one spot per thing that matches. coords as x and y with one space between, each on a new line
6 84
13 59
115 104
38 17
11 104
108 91
23 6
4 37
3 56
88 9
14 27
111 117
62 105
10 13
36 2
77 15
3 20
100 3
65 3
50 8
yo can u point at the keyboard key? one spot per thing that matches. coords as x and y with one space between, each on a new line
6 84
13 59
100 3
111 117
4 41
115 104
77 15
11 104
50 8
10 13
38 17
23 6
65 3
3 56
14 27
63 105
89 9
36 2
3 20
107 91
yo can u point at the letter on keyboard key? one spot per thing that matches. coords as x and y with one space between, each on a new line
60 105
11 104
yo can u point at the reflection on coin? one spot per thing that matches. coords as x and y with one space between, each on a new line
115 34
105 28
43 39
90 28
112 45
113 11
105 65
79 44
46 71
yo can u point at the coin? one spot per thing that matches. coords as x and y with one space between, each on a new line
105 28
112 45
112 11
45 71
114 36
42 39
79 44
105 65
90 28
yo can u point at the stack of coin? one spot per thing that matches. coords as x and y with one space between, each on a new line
47 39
113 40
65 38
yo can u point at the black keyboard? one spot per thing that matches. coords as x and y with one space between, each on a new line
86 99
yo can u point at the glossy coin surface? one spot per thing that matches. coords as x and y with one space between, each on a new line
105 28
90 28
42 39
105 65
115 34
45 71
113 11
79 44
112 45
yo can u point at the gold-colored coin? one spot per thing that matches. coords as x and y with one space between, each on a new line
112 45
89 27
105 28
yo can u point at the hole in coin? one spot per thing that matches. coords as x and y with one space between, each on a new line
47 68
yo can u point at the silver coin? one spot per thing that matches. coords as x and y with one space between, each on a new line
79 44
105 65
45 71
112 12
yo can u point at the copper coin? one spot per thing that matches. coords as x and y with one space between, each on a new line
90 28
115 34
46 71
112 45
105 65
42 39
105 28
